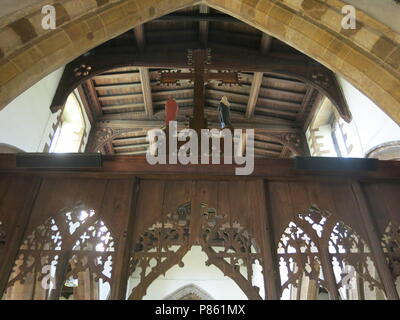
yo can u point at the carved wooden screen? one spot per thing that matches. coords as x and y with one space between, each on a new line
76 235
384 203
314 231
321 256
229 245
391 247
16 197
72 249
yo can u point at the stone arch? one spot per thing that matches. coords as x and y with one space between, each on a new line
368 56
7 148
189 292
385 151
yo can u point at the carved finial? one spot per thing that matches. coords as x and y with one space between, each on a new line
82 70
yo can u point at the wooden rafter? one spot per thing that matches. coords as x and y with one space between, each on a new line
310 72
265 46
144 73
254 92
266 42
91 97
147 97
199 17
203 25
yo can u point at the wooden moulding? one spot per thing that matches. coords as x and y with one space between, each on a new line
266 168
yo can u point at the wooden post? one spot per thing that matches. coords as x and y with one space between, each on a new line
377 252
270 267
120 274
199 59
61 272
17 237
329 274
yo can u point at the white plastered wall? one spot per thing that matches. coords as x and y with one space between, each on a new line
26 122
370 126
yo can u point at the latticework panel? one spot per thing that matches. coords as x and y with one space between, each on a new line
57 252
310 237
391 247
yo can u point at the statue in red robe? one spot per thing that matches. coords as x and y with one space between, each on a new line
171 111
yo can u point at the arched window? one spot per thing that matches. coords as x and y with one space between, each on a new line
189 292
70 132
6 148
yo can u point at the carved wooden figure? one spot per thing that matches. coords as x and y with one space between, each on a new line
224 113
171 110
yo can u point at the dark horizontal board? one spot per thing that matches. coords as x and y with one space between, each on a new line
335 164
58 160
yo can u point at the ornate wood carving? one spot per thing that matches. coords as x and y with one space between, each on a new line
306 70
228 246
348 248
295 141
159 248
298 256
391 247
308 237
236 254
101 136
82 71
75 234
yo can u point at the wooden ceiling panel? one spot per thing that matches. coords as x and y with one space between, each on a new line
167 36
115 77
247 40
275 82
282 101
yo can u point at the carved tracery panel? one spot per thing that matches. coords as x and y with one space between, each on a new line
231 248
158 249
74 240
391 247
313 234
298 258
352 262
228 246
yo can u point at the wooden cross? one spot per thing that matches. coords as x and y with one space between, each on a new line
198 59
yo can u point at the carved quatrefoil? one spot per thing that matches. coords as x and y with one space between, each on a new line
321 79
82 70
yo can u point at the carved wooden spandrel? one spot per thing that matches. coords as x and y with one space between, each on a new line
391 247
314 233
76 233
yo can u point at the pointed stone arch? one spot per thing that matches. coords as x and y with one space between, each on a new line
189 292
368 57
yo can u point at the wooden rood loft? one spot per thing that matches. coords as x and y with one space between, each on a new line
119 83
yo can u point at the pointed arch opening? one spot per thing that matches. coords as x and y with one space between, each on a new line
69 256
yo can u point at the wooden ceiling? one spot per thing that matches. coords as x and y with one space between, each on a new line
130 97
